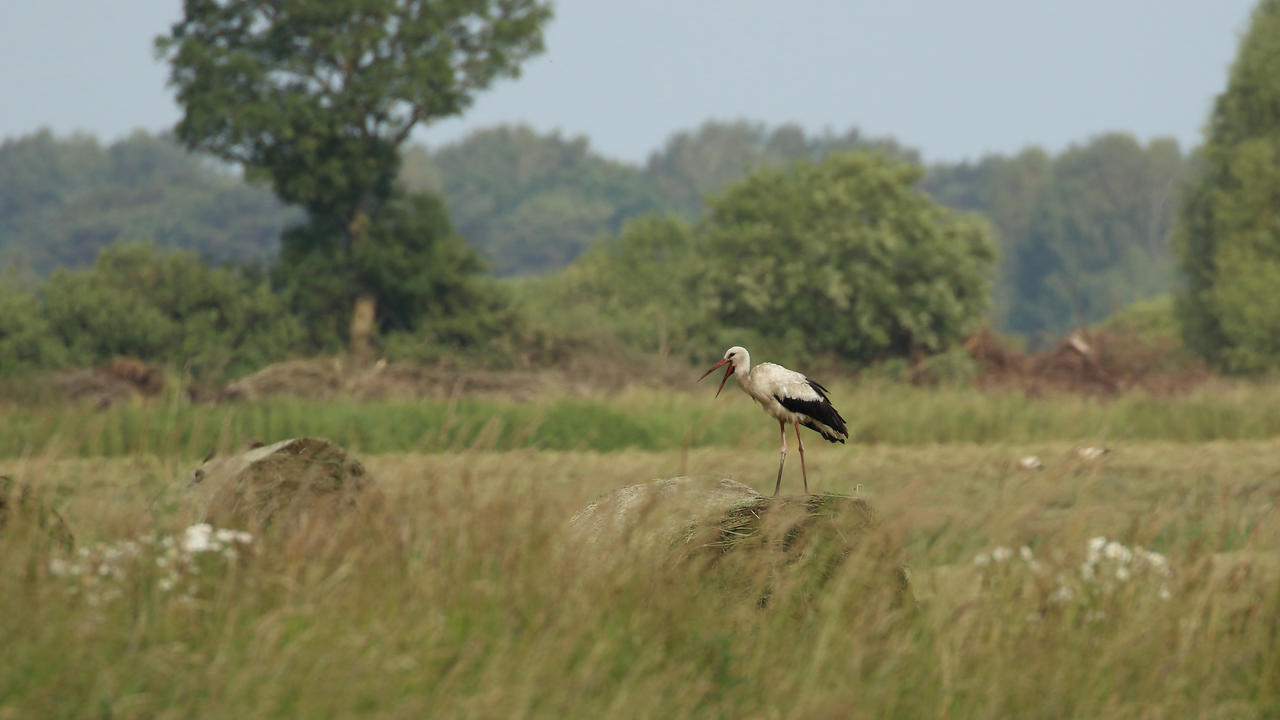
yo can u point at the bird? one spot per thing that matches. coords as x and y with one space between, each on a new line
788 397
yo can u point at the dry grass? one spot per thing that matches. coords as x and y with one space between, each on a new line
455 598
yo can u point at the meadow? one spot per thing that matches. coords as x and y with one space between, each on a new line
1145 583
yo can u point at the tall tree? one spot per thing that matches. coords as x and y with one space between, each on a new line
319 95
1228 237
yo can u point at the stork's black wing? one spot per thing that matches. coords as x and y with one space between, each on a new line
819 411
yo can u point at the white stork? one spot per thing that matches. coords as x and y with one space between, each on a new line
787 396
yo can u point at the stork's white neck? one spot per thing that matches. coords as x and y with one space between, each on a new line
741 363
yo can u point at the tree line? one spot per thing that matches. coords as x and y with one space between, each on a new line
1080 234
780 227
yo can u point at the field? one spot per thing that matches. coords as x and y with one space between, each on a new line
455 595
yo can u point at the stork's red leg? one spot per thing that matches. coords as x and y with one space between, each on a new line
803 473
782 425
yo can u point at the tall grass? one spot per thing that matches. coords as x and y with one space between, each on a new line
637 419
458 599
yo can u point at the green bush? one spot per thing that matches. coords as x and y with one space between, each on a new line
845 257
167 307
26 342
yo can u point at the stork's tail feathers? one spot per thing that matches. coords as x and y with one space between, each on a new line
830 434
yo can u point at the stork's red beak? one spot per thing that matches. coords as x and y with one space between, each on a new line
727 373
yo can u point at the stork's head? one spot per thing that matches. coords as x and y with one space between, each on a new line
736 358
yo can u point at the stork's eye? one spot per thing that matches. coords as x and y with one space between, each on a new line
730 354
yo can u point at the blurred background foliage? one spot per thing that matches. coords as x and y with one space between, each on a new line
541 240
514 247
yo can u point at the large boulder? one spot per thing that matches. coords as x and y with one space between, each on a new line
275 485
657 515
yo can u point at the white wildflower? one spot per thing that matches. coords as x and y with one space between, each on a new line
198 538
1164 592
982 559
1122 573
1095 548
59 567
1062 595
1091 453
165 584
162 561
1116 551
104 569
1158 562
1027 555
1001 553
1086 571
243 537
224 535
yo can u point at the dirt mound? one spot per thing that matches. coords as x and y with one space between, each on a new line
995 359
405 380
1097 364
121 379
323 378
315 378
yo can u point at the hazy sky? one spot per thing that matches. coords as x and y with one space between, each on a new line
954 79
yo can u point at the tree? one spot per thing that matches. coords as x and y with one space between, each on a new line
26 342
319 95
1228 236
845 257
1009 192
1082 234
1098 240
63 200
694 164
426 273
641 283
532 203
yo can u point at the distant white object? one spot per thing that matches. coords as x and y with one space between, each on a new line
1091 453
1077 342
1031 462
